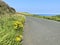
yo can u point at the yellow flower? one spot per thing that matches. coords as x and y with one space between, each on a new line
18 39
21 36
21 25
16 22
15 27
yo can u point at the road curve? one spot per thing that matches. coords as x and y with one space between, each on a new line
41 32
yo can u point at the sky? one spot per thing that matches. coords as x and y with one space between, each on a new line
36 6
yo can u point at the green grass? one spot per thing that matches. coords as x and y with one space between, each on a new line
55 18
7 30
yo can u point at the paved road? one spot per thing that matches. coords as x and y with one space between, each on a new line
41 32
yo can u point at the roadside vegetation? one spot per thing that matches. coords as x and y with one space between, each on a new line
55 18
11 29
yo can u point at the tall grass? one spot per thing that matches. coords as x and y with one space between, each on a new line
8 33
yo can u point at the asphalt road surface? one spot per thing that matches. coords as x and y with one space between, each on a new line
41 32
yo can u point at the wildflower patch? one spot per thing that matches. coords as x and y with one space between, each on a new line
11 29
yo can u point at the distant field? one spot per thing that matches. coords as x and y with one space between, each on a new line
56 18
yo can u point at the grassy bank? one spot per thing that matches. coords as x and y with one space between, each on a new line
11 29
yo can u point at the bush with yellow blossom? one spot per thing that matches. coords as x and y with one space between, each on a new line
11 30
18 24
19 38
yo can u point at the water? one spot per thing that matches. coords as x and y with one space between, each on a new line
48 14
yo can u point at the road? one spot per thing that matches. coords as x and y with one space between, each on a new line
41 32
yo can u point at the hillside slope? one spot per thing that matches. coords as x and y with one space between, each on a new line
5 8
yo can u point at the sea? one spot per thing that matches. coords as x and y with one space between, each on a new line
48 14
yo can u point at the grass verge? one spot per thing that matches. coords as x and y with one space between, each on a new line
11 29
